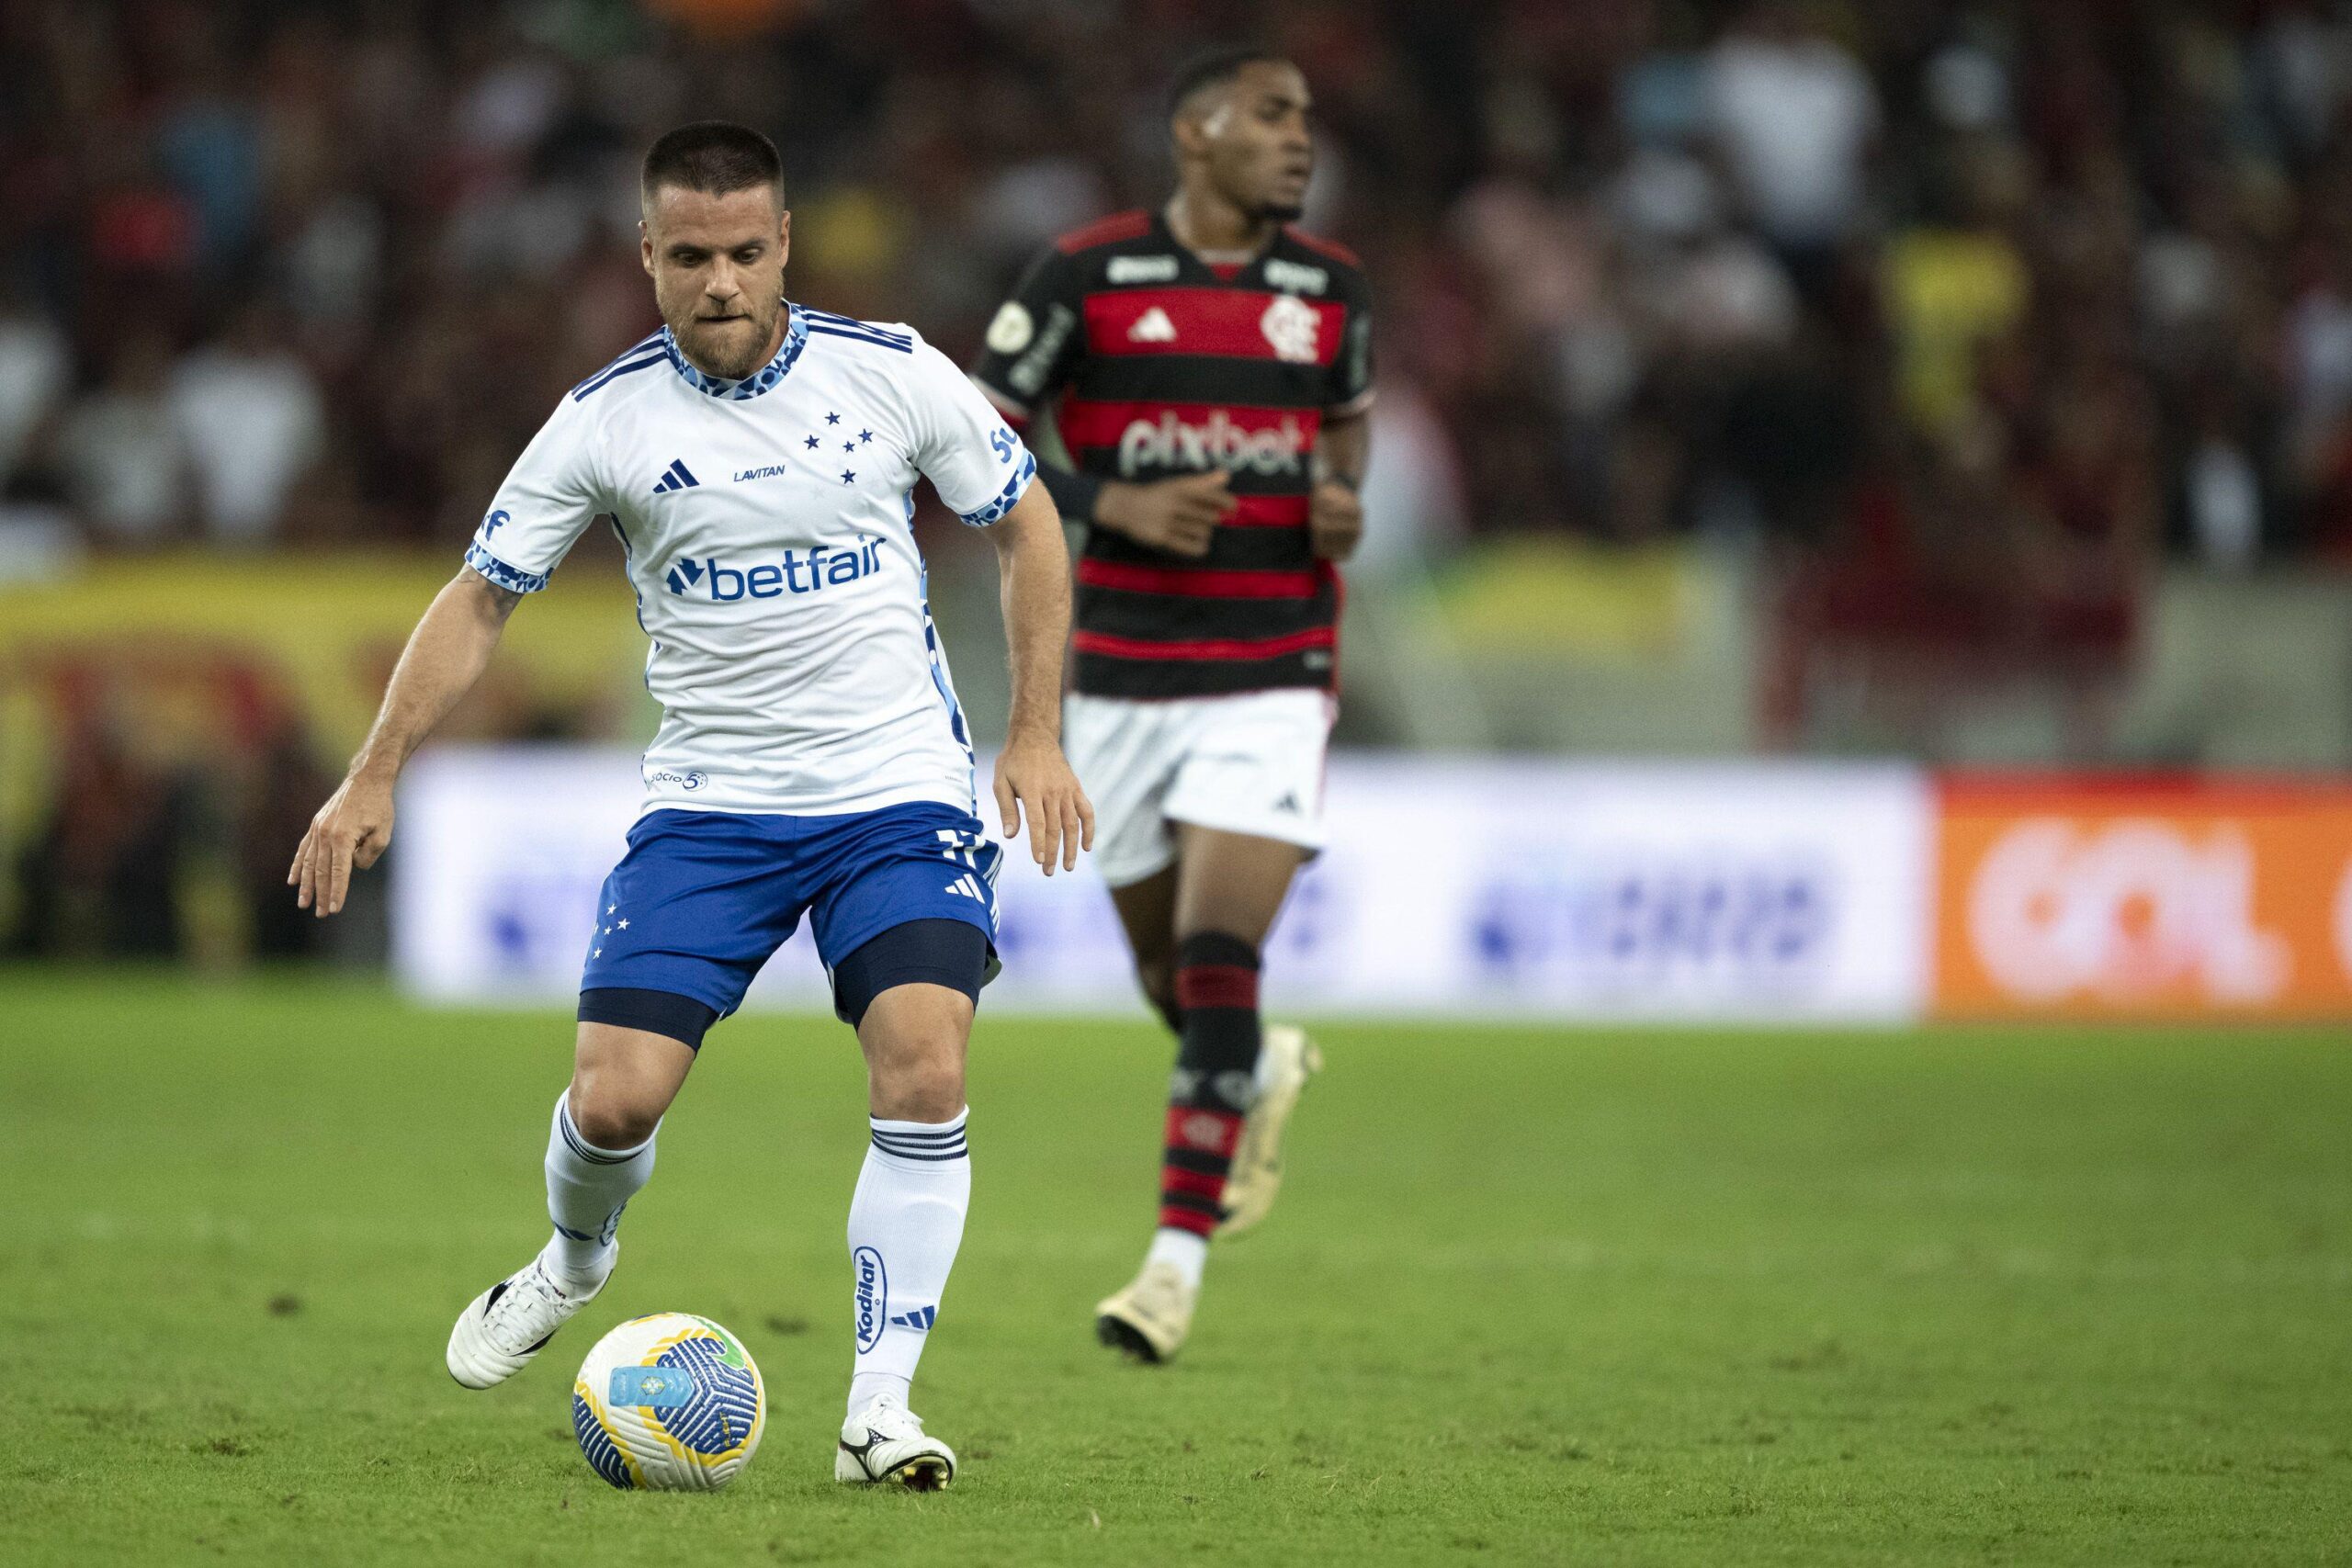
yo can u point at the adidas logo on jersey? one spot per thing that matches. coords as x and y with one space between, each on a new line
675 476
1152 326
968 888
921 1318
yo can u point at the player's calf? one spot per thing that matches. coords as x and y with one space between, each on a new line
909 993
1214 1081
589 1183
588 1186
906 1222
1209 1095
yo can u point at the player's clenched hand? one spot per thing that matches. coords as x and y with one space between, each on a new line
1033 775
349 833
1177 516
1335 520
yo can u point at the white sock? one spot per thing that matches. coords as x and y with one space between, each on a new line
587 1190
1188 1252
905 1223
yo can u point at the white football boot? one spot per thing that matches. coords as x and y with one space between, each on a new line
510 1323
1291 1059
886 1441
1149 1319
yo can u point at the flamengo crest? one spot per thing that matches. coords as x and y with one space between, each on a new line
1291 326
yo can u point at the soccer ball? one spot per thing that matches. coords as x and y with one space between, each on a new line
670 1402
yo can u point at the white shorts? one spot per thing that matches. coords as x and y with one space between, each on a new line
1247 763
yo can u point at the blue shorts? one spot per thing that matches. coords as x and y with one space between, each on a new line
703 898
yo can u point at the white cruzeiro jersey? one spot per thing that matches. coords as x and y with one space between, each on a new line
766 526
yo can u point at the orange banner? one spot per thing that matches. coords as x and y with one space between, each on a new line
2145 898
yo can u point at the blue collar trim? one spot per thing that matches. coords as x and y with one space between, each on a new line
795 338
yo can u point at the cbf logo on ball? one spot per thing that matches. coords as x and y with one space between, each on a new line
822 566
873 1289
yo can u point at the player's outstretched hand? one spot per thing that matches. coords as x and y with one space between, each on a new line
349 833
1178 515
1033 775
1335 520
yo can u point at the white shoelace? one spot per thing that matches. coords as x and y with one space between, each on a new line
891 1418
509 1308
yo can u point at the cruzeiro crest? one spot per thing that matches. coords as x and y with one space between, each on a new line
1290 324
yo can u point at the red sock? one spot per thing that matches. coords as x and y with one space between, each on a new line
1217 987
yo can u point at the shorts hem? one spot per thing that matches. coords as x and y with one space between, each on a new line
857 987
978 919
1321 688
1124 879
652 1009
926 974
1311 841
952 796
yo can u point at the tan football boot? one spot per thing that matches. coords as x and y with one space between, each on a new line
1257 1172
1149 1319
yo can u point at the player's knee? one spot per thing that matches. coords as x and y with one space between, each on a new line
931 1098
609 1112
918 1075
914 1036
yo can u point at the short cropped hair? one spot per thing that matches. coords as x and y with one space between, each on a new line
713 156
1213 68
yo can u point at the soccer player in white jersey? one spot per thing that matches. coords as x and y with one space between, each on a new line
758 460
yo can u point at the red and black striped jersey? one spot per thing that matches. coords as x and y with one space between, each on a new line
1163 366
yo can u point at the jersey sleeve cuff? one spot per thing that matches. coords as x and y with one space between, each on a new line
1359 403
498 574
1006 499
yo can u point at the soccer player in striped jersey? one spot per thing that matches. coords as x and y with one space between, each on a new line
1209 369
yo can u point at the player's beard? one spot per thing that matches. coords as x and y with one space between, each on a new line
1279 212
732 349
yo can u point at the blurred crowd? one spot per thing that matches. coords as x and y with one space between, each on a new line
2012 291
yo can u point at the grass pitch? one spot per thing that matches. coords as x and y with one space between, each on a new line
1533 1296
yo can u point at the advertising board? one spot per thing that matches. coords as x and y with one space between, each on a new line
2144 897
1452 887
